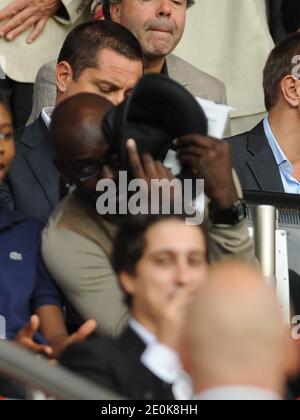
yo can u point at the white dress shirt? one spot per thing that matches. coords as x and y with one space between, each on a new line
46 115
164 363
237 393
290 184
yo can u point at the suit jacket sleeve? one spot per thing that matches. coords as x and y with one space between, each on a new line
71 11
230 241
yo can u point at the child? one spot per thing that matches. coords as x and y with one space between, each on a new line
26 287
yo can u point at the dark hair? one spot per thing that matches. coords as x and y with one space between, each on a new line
3 101
107 3
84 42
279 65
130 243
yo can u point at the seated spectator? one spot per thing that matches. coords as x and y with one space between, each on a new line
237 347
26 287
166 23
159 276
99 57
268 157
77 241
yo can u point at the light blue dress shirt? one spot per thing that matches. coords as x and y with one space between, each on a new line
290 184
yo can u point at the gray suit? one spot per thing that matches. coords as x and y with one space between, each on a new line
197 82
44 92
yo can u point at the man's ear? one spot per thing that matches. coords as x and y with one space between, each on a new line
64 76
115 12
128 283
290 88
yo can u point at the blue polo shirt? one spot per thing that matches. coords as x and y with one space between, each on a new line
25 283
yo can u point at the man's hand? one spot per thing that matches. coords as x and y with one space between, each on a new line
145 167
25 338
60 343
173 318
24 14
209 159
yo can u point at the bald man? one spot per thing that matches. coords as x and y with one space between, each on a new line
237 344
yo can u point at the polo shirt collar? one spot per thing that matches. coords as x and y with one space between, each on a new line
10 217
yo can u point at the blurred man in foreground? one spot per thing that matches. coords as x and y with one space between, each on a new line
237 347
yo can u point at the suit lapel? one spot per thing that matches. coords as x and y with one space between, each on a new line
146 383
132 344
39 158
261 161
173 70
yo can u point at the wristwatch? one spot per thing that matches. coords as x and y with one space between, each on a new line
231 216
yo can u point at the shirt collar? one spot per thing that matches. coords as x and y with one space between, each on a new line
142 332
165 70
9 217
238 393
46 115
276 149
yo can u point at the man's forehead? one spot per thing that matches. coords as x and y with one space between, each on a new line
190 241
174 250
144 2
90 141
91 152
107 59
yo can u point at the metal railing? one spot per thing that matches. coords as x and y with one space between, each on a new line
35 373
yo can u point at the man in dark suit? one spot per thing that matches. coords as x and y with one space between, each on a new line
33 184
159 276
268 157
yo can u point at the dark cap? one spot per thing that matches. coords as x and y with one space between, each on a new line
158 111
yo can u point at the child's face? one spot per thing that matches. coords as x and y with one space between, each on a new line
7 146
